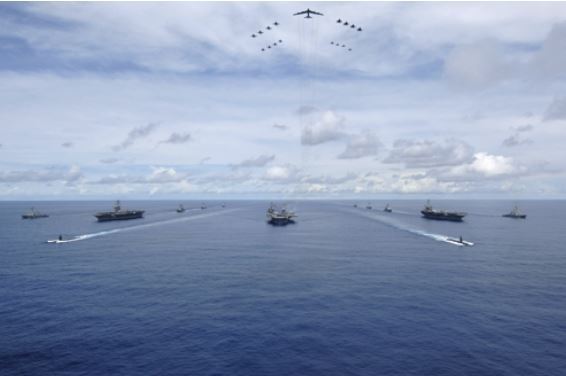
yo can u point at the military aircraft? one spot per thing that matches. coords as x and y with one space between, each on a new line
253 35
349 49
331 42
353 26
308 13
260 32
276 23
268 28
339 21
359 29
268 46
280 41
346 23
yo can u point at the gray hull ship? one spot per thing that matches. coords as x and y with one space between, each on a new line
118 214
34 214
515 213
279 217
441 215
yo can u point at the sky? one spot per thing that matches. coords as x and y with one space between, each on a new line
178 100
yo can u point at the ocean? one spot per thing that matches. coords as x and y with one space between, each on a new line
343 291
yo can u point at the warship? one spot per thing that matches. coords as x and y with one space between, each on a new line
279 217
33 214
515 213
118 214
181 209
441 215
387 209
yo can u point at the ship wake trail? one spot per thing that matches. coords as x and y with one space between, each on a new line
143 226
402 227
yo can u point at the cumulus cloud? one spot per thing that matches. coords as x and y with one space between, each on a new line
556 110
177 138
67 144
483 166
328 128
70 175
282 174
259 161
361 145
134 135
427 153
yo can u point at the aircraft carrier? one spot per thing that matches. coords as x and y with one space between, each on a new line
429 213
118 214
279 217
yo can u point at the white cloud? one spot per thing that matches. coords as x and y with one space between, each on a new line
361 145
556 110
329 127
427 153
259 161
134 135
177 138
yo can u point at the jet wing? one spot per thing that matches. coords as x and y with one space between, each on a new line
299 13
317 13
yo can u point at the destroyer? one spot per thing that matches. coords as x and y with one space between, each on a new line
441 215
119 214
515 213
34 214
279 217
387 209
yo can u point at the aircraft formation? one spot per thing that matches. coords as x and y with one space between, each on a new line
308 13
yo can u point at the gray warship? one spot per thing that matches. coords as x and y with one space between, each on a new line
515 213
279 217
429 213
34 214
118 214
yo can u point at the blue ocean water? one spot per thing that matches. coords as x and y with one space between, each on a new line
344 291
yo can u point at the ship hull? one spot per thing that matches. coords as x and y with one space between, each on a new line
452 217
280 221
106 217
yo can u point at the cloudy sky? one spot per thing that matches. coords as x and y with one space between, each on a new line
154 100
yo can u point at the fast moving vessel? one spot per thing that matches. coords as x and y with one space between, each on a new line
387 209
441 215
119 214
33 214
515 213
279 217
368 206
460 241
181 209
203 206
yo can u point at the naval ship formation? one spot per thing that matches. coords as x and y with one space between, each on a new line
119 214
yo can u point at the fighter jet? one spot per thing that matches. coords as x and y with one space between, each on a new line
253 35
268 46
331 42
353 26
280 41
346 23
274 44
359 29
260 32
263 49
276 23
308 13
268 28
343 45
349 49
339 21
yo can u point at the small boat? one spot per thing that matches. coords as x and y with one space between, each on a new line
223 205
181 209
515 213
355 205
203 206
368 206
387 209
34 214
